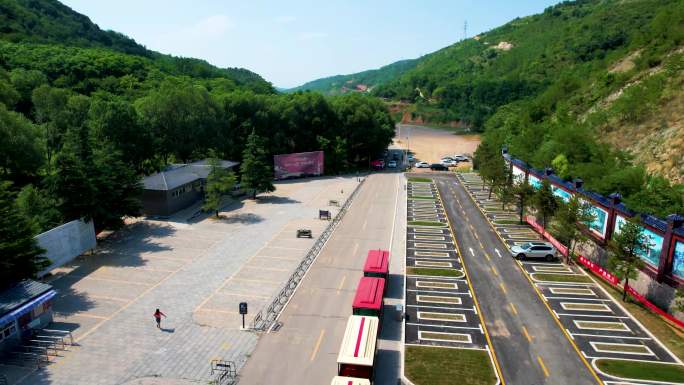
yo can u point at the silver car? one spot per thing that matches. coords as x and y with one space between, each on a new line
543 250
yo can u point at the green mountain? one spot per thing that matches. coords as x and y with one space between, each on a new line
36 29
362 82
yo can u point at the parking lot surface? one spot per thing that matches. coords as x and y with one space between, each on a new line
196 271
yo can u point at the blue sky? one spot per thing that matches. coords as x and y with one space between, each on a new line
292 42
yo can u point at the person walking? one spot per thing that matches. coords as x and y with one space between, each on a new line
157 316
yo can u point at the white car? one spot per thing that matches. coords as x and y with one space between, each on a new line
422 165
449 162
460 158
392 164
543 250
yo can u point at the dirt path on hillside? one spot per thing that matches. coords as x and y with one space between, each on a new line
430 144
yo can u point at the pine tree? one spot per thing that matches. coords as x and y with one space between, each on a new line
20 255
568 218
545 202
257 173
219 182
624 260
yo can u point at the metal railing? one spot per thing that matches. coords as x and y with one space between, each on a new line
267 316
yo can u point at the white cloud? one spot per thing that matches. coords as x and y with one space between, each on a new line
285 19
212 27
312 35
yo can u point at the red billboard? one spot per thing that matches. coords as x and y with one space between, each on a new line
298 165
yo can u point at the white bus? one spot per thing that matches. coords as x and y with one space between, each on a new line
357 353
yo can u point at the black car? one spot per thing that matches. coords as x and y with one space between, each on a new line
438 167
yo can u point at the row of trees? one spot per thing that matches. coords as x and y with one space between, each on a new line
567 219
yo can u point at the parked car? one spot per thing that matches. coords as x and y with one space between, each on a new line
410 158
422 164
543 250
438 167
449 162
459 158
378 164
392 164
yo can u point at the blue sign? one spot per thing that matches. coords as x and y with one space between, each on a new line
562 194
678 259
534 181
655 241
600 221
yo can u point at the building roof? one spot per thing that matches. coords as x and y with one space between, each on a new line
178 175
21 293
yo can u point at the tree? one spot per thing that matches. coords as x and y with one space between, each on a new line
568 217
627 243
522 193
504 190
20 150
20 255
545 202
39 207
257 173
219 182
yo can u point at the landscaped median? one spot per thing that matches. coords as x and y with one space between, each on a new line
441 366
415 179
433 272
426 223
641 370
570 278
423 197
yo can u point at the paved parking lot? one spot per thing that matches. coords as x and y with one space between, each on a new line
195 270
598 325
440 310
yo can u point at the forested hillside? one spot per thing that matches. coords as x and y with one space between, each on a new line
367 80
84 113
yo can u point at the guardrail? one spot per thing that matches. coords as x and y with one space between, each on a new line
267 316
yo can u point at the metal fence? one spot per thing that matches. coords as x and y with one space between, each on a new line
267 316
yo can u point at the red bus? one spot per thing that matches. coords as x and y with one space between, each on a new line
377 264
369 297
357 353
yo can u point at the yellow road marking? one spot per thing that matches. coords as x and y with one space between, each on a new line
477 304
318 345
487 256
513 309
503 288
527 334
494 271
339 287
541 363
225 346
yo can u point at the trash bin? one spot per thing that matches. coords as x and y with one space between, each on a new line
399 312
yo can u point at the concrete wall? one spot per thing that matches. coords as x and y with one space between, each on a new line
66 242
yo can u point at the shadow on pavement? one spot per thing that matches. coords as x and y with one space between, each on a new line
387 367
395 286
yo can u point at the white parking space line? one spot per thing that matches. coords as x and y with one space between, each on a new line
619 348
433 264
577 306
572 291
445 317
439 299
437 285
431 254
444 337
602 325
610 337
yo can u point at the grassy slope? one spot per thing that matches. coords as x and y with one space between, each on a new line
49 22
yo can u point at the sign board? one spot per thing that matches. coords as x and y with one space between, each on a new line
299 164
655 241
678 259
243 308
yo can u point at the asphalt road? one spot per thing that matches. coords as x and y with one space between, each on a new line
304 350
530 346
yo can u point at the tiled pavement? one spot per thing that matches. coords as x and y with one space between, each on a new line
440 311
597 324
196 272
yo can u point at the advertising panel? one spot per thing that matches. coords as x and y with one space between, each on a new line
298 164
518 175
560 193
600 222
678 259
652 254
534 181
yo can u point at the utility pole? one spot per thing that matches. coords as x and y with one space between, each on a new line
465 29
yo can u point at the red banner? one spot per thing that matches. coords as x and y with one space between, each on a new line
298 164
600 271
653 307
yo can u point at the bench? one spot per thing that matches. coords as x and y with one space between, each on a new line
304 233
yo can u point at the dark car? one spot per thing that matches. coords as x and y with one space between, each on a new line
438 167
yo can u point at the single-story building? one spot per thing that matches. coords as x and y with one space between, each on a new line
25 306
177 187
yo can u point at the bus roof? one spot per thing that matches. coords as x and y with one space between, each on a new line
337 380
377 261
358 343
369 293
